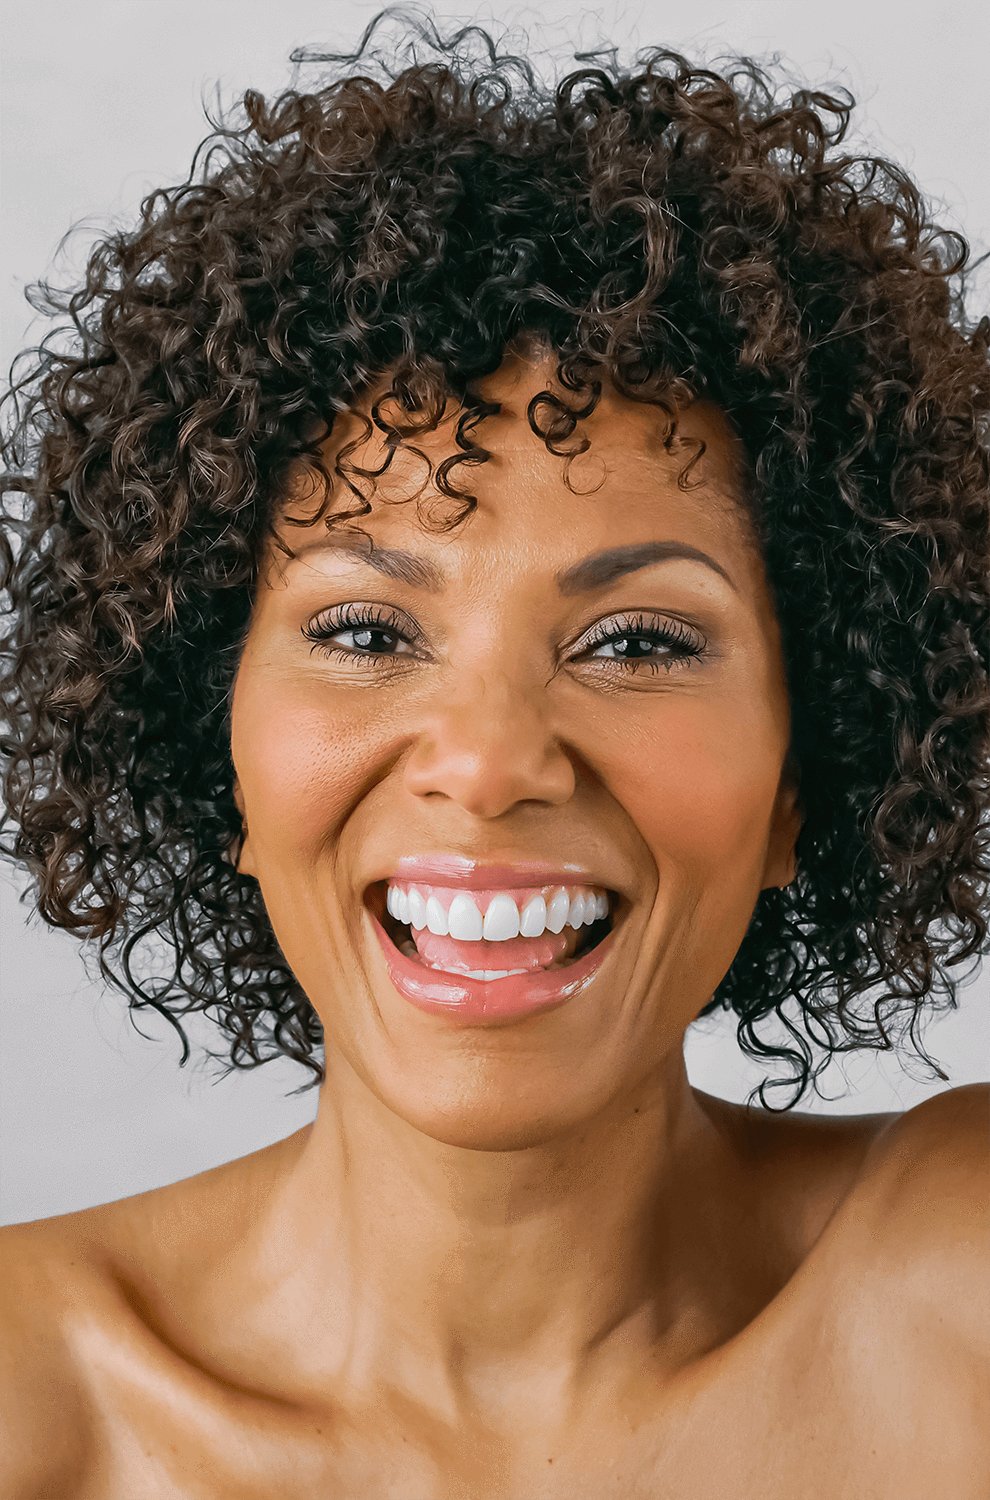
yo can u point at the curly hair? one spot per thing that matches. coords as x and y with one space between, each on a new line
684 231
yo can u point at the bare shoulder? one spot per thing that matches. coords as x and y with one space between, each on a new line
64 1313
929 1168
923 1217
44 1431
73 1289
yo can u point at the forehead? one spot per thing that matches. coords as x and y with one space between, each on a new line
628 474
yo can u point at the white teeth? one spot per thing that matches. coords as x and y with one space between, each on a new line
590 908
501 919
409 949
490 973
575 912
465 919
534 918
557 911
436 917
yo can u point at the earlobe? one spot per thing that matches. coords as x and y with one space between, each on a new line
237 851
781 867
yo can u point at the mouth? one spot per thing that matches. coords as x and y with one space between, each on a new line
494 981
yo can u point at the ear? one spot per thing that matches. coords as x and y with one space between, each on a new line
788 820
239 852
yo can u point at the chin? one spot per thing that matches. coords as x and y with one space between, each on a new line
482 1104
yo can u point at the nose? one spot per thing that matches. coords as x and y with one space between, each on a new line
491 747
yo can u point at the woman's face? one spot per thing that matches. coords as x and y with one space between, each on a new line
497 729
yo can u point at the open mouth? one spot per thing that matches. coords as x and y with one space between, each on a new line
494 956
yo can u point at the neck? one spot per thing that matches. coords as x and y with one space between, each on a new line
491 1278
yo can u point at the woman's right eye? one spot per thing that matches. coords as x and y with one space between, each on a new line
367 626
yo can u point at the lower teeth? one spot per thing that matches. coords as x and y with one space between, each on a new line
410 950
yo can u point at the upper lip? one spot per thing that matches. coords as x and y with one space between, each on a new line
471 875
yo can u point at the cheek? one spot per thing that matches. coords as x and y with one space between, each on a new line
302 765
701 792
701 786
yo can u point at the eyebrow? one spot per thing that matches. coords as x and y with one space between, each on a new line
592 572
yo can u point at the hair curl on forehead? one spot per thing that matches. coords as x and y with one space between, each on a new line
687 232
413 399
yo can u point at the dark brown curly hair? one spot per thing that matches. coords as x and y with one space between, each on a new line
684 231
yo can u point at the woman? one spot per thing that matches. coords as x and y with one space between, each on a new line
502 574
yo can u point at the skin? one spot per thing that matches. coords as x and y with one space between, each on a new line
544 1165
528 1260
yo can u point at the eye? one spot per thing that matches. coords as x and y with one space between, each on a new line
632 639
634 644
371 626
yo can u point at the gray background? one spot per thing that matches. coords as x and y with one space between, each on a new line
102 102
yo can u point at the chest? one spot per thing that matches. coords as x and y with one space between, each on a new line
848 1409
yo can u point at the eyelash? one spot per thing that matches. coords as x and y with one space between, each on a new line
630 627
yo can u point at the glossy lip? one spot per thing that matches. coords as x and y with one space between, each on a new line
470 875
494 1001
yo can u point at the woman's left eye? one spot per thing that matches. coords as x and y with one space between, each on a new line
665 644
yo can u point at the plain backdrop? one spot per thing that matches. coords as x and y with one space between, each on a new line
102 102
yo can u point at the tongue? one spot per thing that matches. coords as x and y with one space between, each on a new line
514 953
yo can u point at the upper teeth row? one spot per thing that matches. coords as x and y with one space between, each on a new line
502 920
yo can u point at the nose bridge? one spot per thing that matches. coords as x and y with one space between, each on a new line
491 742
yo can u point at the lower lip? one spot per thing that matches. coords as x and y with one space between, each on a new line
481 1000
